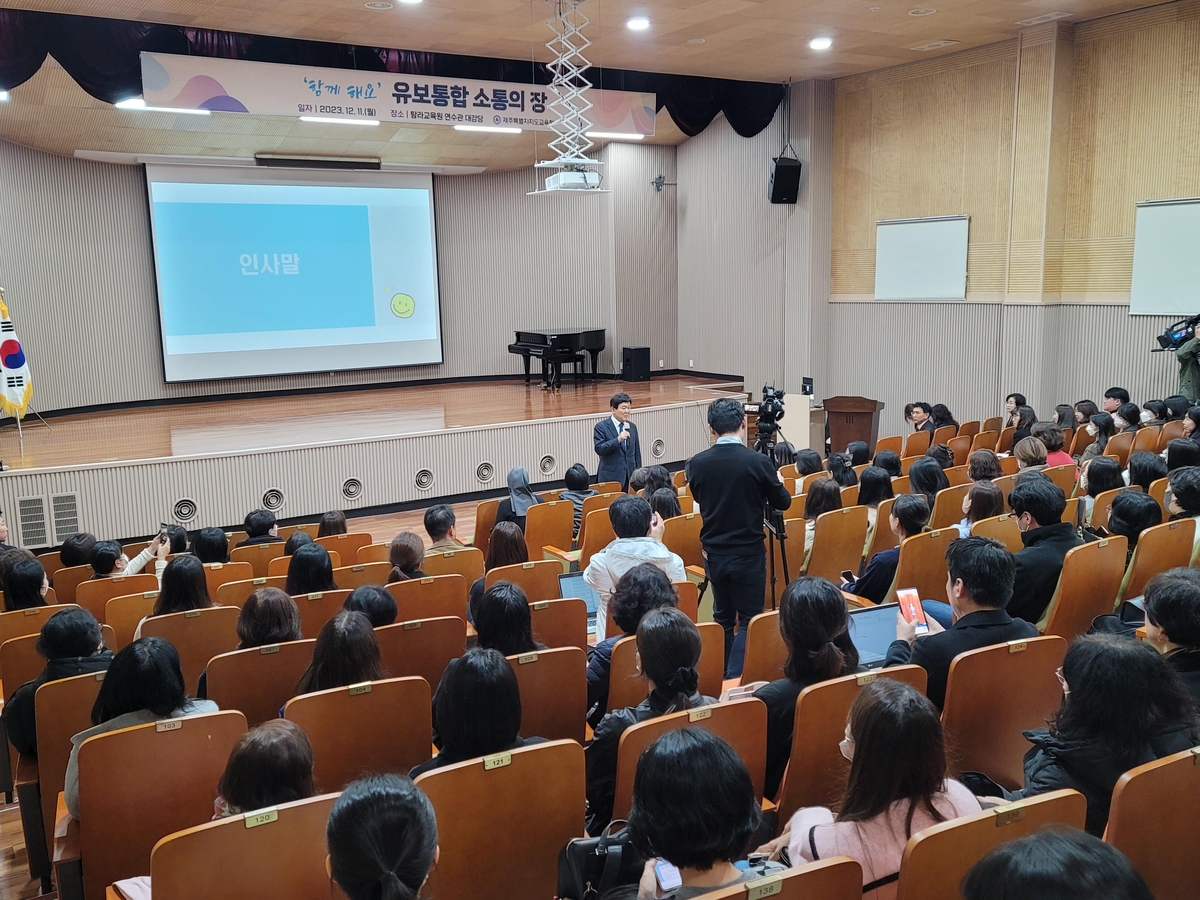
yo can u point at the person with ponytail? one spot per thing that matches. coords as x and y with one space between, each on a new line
406 554
668 644
814 624
382 839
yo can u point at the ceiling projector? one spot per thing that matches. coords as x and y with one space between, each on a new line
573 181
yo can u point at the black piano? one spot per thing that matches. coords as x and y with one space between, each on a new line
556 347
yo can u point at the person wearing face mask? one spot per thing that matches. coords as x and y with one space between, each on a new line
1128 417
1101 427
1038 506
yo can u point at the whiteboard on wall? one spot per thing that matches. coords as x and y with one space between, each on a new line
1166 264
921 259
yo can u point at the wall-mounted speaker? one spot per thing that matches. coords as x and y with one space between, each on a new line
785 180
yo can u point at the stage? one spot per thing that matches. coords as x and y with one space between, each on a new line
117 473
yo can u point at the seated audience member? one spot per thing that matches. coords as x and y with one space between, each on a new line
1084 410
375 602
109 559
910 515
908 414
476 711
983 465
77 550
9 558
1100 474
1102 428
332 522
1182 452
665 502
1154 412
345 653
177 537
1145 468
1114 399
641 589
669 646
1064 416
503 621
1052 437
942 416
71 643
1057 863
406 553
578 488
890 795
514 507
859 453
1172 603
922 417
183 588
1038 505
927 477
979 586
942 454
310 571
4 544
382 839
261 528
1123 706
439 525
785 454
143 684
840 470
814 624
874 486
25 586
1191 423
639 540
1030 453
657 478
889 461
809 462
823 496
269 616
694 807
210 545
1023 419
1127 418
1177 405
506 547
983 501
637 480
1013 402
296 539
1184 500
269 765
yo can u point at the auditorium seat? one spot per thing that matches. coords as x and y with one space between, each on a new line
1102 505
836 878
895 443
712 659
1169 432
467 562
985 440
92 595
936 860
124 813
429 598
766 651
485 520
992 423
278 852
1080 441
198 635
1145 439
992 695
944 434
689 599
549 524
1005 442
1158 490
234 593
882 538
373 553
607 487
421 647
681 535
217 574
816 771
947 506
66 581
969 429
258 555
1119 446
849 495
258 681
371 727
539 579
503 819
627 685
345 544
957 474
1088 587
20 661
901 485
1161 547
21 622
278 567
560 623
808 480
123 614
922 563
233 538
915 444
553 693
1006 483
1071 512
837 543
1143 824
309 528
1002 528
1065 477
679 479
740 723
318 608
51 561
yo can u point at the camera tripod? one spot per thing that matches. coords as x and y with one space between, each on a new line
772 517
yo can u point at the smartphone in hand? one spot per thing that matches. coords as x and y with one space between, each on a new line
910 607
163 534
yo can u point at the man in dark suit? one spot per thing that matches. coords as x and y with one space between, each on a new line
616 442
261 528
922 417
1037 504
979 587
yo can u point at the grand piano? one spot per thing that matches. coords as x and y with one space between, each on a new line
555 347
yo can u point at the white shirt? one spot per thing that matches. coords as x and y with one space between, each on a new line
617 423
606 568
728 439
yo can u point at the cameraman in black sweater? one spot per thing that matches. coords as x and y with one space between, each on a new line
732 486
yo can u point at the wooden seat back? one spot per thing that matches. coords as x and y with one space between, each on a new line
375 553
1161 847
838 541
1080 441
1005 443
766 651
524 805
944 434
960 446
123 813
67 581
1071 512
689 598
1088 587
198 635
894 442
1160 547
1006 483
992 695
539 579
936 860
740 723
92 595
371 727
681 535
1002 528
1064 476
679 479
969 429
1009 465
1119 447
1100 506
627 684
124 613
812 478
993 423
467 562
234 593
51 561
947 506
607 487
278 567
421 647
309 528
816 772
560 623
595 533
318 608
347 578
258 681
985 440
1158 490
549 525
485 520
20 661
217 574
836 878
849 495
915 444
347 544
553 693
882 537
259 556
1144 439
276 852
430 598
922 563
1169 432
21 622
711 668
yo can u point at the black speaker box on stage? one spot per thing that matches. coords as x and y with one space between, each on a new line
635 363
785 180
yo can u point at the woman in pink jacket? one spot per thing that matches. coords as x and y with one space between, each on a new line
897 787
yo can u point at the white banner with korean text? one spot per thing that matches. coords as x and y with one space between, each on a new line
271 89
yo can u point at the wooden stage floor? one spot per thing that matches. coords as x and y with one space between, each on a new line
188 429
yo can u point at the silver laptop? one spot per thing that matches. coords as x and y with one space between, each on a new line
872 630
571 584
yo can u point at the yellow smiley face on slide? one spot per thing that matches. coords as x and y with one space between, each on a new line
403 306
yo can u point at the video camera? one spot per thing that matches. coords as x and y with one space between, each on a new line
1179 333
770 411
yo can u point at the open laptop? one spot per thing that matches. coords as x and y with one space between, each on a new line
873 629
571 584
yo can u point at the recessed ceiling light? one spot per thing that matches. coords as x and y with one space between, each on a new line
934 45
139 103
1047 17
410 2
695 40
614 136
637 23
329 120
922 11
491 129
3 96
378 4
821 43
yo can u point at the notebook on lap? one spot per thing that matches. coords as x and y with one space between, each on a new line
571 584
